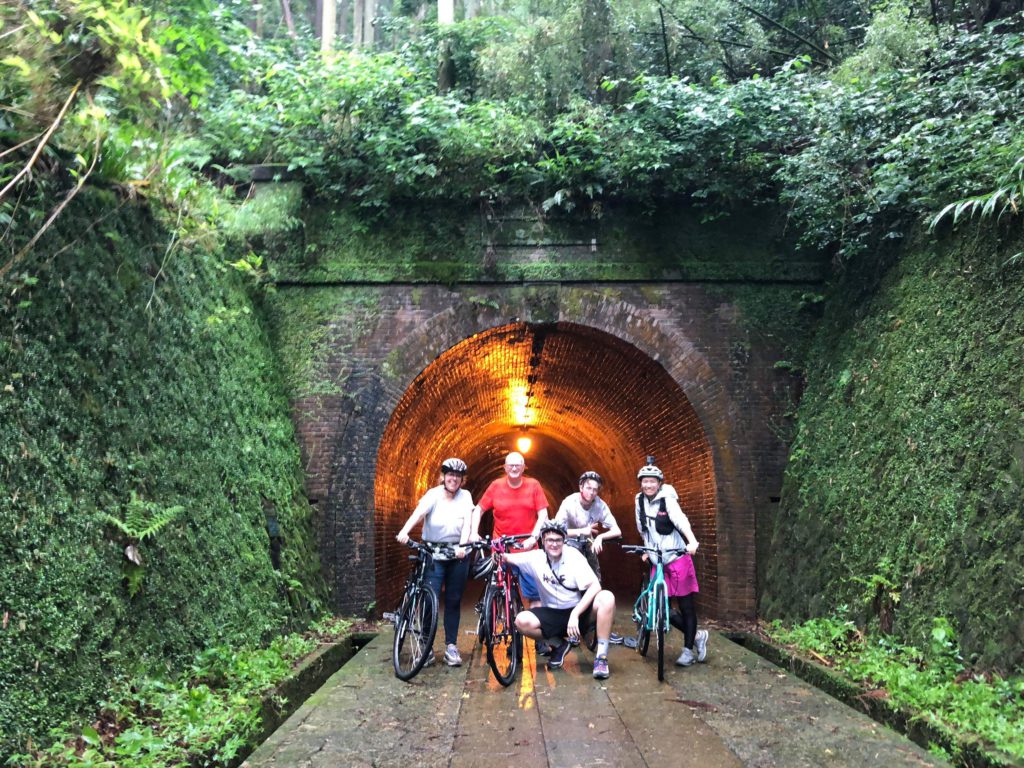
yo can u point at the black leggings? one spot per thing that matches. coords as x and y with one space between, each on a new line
686 620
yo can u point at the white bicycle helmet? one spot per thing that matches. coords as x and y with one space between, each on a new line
650 470
458 466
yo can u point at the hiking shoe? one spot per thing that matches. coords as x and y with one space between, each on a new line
616 639
700 643
601 667
451 656
686 658
558 655
431 659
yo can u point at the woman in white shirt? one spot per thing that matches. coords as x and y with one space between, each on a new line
446 510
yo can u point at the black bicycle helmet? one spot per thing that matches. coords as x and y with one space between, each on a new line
553 526
591 475
650 470
458 466
482 566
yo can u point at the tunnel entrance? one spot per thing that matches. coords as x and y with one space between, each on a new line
585 399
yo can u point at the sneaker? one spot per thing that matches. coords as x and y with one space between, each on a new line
543 648
601 667
451 656
701 644
558 655
431 659
574 641
686 658
616 639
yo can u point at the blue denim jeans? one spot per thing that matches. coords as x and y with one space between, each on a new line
453 574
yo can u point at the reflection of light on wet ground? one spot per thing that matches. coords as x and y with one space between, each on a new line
527 675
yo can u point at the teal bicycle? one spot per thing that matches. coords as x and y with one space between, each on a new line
650 612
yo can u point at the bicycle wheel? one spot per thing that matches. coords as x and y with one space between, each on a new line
643 635
414 633
504 643
660 620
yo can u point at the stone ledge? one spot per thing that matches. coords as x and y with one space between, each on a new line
281 702
968 752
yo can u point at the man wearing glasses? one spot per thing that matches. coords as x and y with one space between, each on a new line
570 597
519 507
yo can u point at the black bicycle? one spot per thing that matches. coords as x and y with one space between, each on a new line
416 617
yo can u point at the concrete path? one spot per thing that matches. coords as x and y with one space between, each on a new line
734 710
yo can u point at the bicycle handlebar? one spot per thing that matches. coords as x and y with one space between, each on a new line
432 548
637 549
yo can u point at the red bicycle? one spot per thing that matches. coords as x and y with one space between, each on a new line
500 605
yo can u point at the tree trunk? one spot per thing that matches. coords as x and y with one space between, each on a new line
597 46
286 12
357 23
445 12
329 25
471 9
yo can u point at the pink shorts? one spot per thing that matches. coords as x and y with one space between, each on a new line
680 577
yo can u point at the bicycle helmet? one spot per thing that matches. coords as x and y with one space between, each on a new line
482 566
458 466
553 526
650 470
591 476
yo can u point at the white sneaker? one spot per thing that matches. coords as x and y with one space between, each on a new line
431 658
451 656
700 643
686 658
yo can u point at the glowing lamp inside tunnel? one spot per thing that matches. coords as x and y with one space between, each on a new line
523 445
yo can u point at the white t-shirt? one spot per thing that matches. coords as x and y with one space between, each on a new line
561 584
445 516
572 513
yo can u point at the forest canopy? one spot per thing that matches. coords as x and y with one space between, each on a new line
833 109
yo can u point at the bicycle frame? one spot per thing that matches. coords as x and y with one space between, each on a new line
418 602
501 598
655 597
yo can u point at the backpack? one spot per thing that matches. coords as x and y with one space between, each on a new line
663 524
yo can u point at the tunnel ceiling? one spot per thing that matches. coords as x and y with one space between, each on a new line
586 399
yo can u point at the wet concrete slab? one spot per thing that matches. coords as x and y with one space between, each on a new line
736 709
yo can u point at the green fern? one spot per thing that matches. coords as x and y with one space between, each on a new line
1007 197
143 519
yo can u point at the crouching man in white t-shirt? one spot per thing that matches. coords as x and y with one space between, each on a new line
570 597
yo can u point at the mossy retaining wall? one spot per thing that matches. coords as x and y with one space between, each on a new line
134 380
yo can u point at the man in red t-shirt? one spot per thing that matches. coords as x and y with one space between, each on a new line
519 506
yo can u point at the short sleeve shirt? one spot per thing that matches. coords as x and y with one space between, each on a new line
572 513
561 584
444 516
515 509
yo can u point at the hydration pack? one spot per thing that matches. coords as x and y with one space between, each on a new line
663 524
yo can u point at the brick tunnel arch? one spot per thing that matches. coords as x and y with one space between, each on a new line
585 397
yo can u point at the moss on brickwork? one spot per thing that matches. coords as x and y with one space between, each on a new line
905 489
134 388
448 245
313 329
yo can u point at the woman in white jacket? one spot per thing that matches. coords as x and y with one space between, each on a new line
663 525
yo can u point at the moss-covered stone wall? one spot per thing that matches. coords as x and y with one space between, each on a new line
903 499
136 385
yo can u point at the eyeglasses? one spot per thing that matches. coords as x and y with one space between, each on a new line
559 542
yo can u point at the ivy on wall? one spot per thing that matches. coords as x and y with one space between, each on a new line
906 480
148 461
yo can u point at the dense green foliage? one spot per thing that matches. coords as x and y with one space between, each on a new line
906 481
932 683
142 427
206 715
146 440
